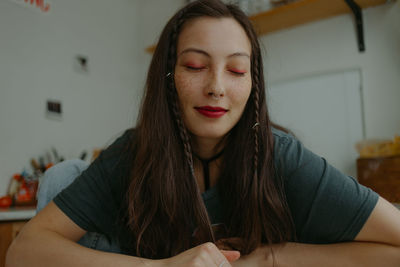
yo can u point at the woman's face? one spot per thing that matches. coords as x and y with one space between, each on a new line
212 75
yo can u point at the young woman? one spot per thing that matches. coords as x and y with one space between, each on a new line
205 179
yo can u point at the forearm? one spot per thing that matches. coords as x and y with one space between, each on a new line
50 249
350 254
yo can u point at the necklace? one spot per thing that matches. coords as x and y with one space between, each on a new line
206 170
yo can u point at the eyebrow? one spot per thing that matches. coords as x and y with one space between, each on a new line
208 55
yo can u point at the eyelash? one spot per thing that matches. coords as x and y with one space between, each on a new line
194 68
200 68
238 73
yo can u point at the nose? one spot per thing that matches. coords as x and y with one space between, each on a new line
215 88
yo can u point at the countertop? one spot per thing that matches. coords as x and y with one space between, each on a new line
26 213
17 213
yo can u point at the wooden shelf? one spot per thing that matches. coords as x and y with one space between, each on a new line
299 12
303 11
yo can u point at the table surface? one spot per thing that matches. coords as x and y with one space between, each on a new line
17 213
26 213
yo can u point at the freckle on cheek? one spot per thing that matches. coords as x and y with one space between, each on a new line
184 83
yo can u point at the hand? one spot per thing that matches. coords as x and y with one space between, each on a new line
261 256
205 255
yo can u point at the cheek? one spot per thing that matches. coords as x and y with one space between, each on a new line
241 93
185 87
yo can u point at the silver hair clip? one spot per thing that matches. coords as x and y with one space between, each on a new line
255 125
168 74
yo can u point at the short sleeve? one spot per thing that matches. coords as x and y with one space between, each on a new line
327 206
93 199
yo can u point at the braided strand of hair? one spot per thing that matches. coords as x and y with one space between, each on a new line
174 99
183 133
256 100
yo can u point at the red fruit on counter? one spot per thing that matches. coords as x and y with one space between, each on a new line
5 202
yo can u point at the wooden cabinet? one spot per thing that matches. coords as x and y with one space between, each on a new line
8 231
11 222
382 175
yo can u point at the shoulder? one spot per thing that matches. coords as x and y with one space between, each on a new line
281 137
292 157
122 143
123 139
287 149
116 157
94 198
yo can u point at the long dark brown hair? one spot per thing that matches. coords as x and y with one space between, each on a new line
163 199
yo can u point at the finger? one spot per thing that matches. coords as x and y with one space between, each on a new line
212 256
231 255
224 263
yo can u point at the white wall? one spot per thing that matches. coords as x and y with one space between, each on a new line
331 45
37 54
151 19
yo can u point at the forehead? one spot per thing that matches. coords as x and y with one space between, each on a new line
216 36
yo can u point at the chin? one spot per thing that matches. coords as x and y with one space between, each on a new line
210 133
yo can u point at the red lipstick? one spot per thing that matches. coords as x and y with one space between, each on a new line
211 112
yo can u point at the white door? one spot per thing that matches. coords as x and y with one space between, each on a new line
324 112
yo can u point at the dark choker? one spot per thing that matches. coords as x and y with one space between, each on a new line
206 170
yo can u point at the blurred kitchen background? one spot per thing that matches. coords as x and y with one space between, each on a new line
85 61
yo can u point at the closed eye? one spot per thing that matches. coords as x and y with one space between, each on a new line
194 68
238 72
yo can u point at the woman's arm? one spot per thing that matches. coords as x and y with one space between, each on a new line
377 244
49 239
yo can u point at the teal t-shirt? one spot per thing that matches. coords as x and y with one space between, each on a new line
326 205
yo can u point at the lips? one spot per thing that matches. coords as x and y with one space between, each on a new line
211 112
